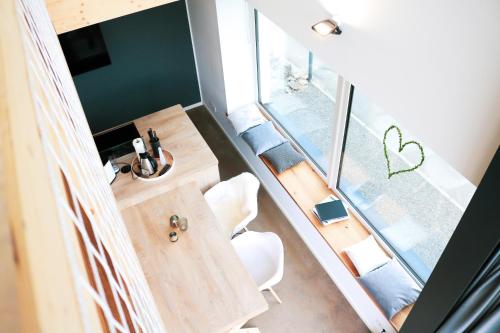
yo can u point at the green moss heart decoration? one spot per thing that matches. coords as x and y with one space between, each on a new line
400 149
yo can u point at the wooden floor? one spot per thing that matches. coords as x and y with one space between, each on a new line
311 301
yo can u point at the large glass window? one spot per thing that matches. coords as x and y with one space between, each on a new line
414 212
297 90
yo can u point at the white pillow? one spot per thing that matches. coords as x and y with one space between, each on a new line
245 118
366 255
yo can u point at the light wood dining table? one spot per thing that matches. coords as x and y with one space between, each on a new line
198 283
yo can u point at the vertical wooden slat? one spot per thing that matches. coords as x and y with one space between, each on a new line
9 306
45 285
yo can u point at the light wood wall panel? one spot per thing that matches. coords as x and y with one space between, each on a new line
69 15
10 320
76 269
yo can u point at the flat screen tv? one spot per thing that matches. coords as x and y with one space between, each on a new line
84 49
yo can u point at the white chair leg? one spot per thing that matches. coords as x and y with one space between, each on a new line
275 295
245 228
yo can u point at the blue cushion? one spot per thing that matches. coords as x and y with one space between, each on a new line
392 287
263 137
283 157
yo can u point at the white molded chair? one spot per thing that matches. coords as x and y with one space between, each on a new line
262 255
234 202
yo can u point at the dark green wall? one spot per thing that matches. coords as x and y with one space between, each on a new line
152 67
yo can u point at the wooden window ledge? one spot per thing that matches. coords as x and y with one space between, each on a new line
307 188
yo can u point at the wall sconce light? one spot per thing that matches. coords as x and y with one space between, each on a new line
327 27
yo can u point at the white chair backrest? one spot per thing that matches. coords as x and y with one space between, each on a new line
236 194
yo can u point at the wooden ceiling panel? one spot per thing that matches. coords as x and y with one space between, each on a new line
69 15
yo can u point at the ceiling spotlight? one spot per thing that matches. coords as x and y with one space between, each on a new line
327 27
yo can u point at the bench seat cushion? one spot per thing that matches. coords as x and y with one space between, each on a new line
263 137
283 157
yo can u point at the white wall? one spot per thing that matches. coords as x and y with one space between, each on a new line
205 34
433 65
238 53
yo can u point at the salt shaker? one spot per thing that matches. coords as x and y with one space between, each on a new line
183 224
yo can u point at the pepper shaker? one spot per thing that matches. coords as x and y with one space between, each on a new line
173 236
174 221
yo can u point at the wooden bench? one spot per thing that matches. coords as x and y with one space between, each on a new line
307 188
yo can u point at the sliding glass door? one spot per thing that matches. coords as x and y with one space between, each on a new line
297 90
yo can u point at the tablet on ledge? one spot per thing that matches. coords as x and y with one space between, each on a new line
331 211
